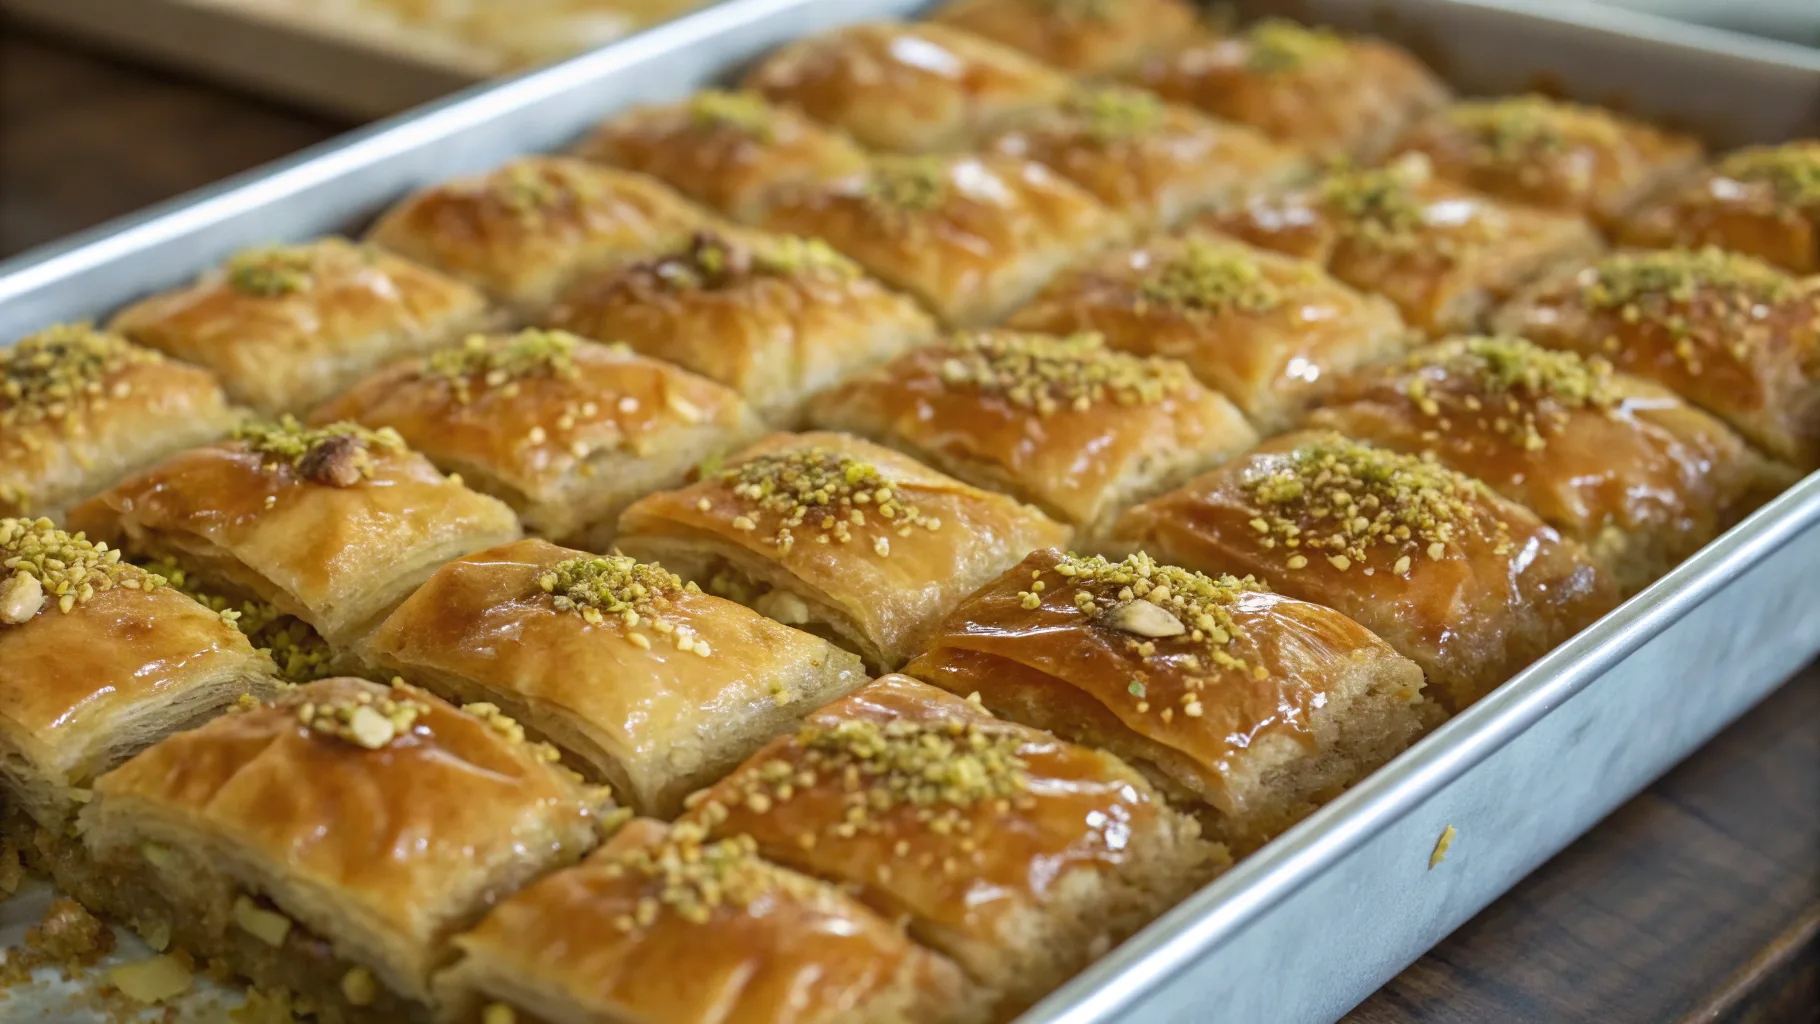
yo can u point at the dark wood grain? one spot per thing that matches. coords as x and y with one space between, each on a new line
1697 902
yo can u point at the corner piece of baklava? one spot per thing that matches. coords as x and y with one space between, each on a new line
1066 424
1248 706
1469 585
81 408
907 87
723 149
1082 37
1763 201
838 536
1338 97
1444 254
663 924
1621 464
776 318
334 526
1728 332
285 327
333 840
567 432
972 237
1020 856
524 231
1270 332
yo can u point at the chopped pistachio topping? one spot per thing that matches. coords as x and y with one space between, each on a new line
1517 130
1279 46
745 112
483 363
300 653
530 189
1792 170
511 731
830 491
1116 112
908 184
690 878
56 373
272 271
362 718
1527 388
637 594
65 569
1046 374
1337 499
1168 612
713 261
1379 206
338 455
1708 301
1210 277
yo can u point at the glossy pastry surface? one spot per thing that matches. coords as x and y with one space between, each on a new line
1763 202
1084 38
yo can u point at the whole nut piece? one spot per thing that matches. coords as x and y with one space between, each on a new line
21 597
333 462
1144 619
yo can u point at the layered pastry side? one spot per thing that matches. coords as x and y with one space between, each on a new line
1763 201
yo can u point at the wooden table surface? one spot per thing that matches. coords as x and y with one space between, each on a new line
1699 901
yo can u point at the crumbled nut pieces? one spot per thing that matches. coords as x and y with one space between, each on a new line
1279 46
67 937
1338 500
1792 171
1210 277
713 261
1527 389
268 926
66 568
1190 611
338 455
272 271
481 363
1380 207
361 718
637 594
1046 374
1708 300
61 371
153 980
689 878
907 185
299 652
1520 132
744 112
509 728
828 490
1111 113
530 190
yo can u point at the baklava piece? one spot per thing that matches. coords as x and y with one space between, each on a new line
776 318
838 536
334 526
1335 96
1550 153
288 326
1018 855
79 409
524 231
1083 37
1468 585
642 680
98 660
1762 202
971 237
566 431
1443 254
662 924
1066 424
1154 162
1727 332
907 88
1270 332
1639 477
1250 707
332 841
724 149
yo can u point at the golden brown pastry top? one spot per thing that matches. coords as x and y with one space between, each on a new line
532 409
1083 37
1334 96
1151 160
1263 328
1204 665
1727 331
723 149
1066 420
901 87
1561 155
931 807
399 804
77 404
1763 202
84 634
522 231
661 924
310 519
1403 232
1559 433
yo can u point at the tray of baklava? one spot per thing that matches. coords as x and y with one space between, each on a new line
862 539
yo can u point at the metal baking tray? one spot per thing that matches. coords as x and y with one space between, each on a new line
1317 920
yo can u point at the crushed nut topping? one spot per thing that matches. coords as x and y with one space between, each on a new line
484 363
637 594
1133 596
1280 46
1045 374
1210 277
1380 207
60 371
510 729
66 568
338 455
1709 301
713 261
745 112
907 184
1337 499
1520 131
828 490
689 877
529 189
362 718
1113 112
1527 389
272 271
1792 170
300 653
